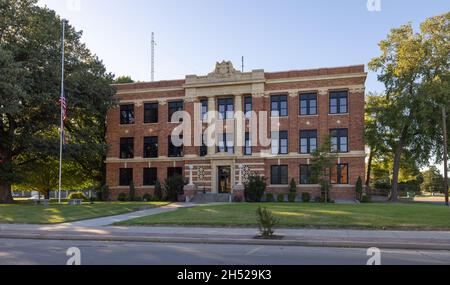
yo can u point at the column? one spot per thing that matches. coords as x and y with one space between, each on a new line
239 136
211 122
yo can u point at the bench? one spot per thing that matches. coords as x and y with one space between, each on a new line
44 202
76 202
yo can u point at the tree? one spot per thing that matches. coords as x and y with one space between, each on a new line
408 62
124 79
432 181
174 186
30 88
255 188
322 163
132 193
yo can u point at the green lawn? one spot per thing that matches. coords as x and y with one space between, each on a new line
26 213
364 216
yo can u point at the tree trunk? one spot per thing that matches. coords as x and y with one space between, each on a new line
369 169
444 127
47 194
396 170
5 193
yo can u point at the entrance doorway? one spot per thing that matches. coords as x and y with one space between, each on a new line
224 179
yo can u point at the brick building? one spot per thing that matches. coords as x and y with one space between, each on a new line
309 105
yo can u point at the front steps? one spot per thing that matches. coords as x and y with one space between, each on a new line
211 198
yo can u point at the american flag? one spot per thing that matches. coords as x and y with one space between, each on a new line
63 103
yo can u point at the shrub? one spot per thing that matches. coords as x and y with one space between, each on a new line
269 197
132 194
292 197
317 200
255 188
77 195
103 193
359 189
147 197
366 199
306 197
138 199
122 197
158 192
280 198
174 187
293 186
266 222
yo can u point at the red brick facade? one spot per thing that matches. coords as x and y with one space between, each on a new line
226 82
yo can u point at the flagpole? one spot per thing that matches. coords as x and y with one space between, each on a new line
62 114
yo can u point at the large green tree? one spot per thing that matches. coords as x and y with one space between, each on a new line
408 63
30 61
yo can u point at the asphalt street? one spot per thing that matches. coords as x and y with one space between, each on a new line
52 252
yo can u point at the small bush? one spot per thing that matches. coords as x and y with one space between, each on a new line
122 197
77 196
306 197
317 200
366 199
280 198
359 189
174 187
266 222
293 186
269 197
292 197
255 188
147 197
138 199
159 195
132 194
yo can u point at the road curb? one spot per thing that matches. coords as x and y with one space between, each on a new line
235 241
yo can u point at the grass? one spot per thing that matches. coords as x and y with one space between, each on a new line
364 216
27 213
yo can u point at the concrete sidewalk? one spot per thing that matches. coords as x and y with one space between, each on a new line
291 237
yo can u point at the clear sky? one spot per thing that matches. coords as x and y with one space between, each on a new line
273 35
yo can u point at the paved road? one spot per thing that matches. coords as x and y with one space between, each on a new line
47 252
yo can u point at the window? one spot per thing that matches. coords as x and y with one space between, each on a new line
339 102
308 104
127 114
204 110
226 143
175 151
174 171
151 113
248 107
279 175
204 147
280 143
308 141
175 107
279 106
306 175
339 140
226 108
248 144
150 176
126 148
125 176
150 147
339 174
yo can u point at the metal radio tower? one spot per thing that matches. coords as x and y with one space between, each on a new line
153 56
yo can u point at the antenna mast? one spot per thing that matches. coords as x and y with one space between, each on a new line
242 64
153 56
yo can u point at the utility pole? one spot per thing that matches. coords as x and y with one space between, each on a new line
153 57
242 64
444 126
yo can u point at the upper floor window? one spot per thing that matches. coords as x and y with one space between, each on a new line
226 143
308 104
338 102
339 174
125 176
248 107
279 106
204 110
308 141
226 108
151 113
280 143
150 176
248 144
150 147
174 171
306 175
279 175
126 148
175 107
126 114
339 140
175 151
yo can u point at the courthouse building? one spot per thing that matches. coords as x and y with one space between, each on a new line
308 105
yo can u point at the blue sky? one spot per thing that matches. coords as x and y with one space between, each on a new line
273 35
